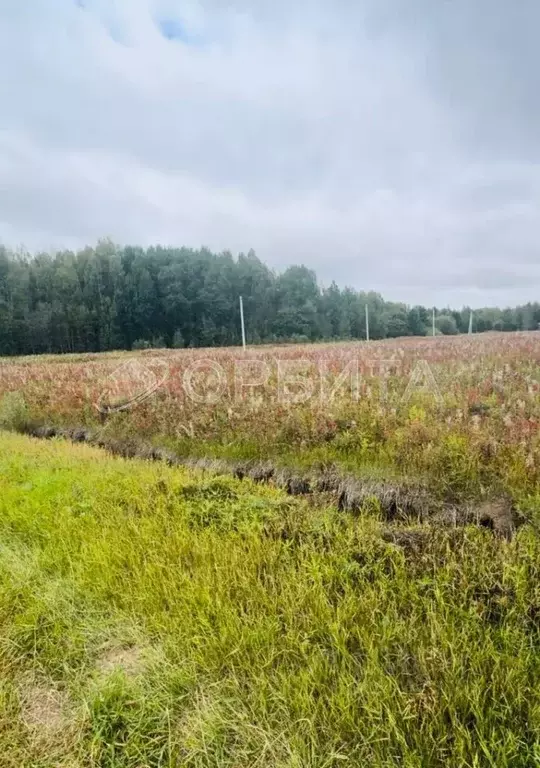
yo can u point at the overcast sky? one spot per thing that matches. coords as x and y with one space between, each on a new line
391 145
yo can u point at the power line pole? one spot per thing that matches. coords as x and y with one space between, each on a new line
242 323
470 324
433 322
367 323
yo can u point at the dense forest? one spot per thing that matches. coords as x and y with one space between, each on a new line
111 297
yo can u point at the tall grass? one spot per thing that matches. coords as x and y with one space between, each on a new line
160 617
479 438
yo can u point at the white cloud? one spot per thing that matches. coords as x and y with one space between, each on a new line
310 135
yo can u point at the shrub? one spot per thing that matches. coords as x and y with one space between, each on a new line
13 411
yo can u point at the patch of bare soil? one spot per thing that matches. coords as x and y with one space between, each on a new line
44 709
396 502
127 659
49 718
499 516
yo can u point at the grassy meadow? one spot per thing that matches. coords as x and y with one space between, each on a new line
155 615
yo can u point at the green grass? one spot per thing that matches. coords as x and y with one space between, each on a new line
159 617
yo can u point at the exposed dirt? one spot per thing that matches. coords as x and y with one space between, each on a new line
44 709
127 659
395 502
406 503
499 516
49 718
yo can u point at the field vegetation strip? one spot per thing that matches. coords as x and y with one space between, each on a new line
395 502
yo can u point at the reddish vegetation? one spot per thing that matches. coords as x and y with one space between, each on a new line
461 411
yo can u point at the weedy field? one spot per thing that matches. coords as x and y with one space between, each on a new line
458 413
156 616
314 556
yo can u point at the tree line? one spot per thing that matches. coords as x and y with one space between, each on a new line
110 297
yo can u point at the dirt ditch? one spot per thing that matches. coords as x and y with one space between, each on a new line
405 503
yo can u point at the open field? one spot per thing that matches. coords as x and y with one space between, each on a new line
470 431
153 616
341 568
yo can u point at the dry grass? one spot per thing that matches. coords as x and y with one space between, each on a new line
476 441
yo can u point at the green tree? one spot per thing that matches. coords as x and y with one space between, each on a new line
418 321
397 321
447 325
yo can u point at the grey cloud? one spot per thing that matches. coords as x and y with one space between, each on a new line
481 62
388 145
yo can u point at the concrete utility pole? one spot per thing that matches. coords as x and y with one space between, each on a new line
433 322
367 323
470 323
242 323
